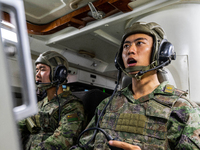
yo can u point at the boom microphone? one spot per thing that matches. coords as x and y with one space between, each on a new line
143 72
37 82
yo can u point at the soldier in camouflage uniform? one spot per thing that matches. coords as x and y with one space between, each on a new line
60 114
145 115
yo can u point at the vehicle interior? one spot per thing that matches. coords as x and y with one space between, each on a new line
89 32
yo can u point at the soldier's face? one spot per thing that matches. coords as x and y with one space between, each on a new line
137 50
42 73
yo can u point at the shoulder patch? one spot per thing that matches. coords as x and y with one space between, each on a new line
72 117
169 88
65 95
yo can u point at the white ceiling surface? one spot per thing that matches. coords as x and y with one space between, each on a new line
101 37
45 11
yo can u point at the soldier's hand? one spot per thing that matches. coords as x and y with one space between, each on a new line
123 145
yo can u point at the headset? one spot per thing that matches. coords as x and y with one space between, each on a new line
165 54
60 74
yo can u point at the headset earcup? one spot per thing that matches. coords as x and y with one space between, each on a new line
60 74
166 52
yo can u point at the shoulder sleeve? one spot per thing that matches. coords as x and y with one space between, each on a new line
24 132
70 125
184 125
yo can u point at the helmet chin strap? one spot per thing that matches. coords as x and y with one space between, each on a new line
138 75
44 87
142 70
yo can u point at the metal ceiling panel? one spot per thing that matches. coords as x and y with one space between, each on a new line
104 51
45 11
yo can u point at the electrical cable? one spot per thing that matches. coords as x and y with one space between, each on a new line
58 103
108 137
101 114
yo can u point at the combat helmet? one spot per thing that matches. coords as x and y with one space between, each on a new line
159 38
55 61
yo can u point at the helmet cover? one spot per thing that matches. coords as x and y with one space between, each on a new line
51 59
152 29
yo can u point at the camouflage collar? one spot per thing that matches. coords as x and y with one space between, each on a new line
159 90
63 94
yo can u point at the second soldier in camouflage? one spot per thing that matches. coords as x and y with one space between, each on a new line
60 115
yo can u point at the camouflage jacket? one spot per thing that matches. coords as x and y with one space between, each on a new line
163 119
42 131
